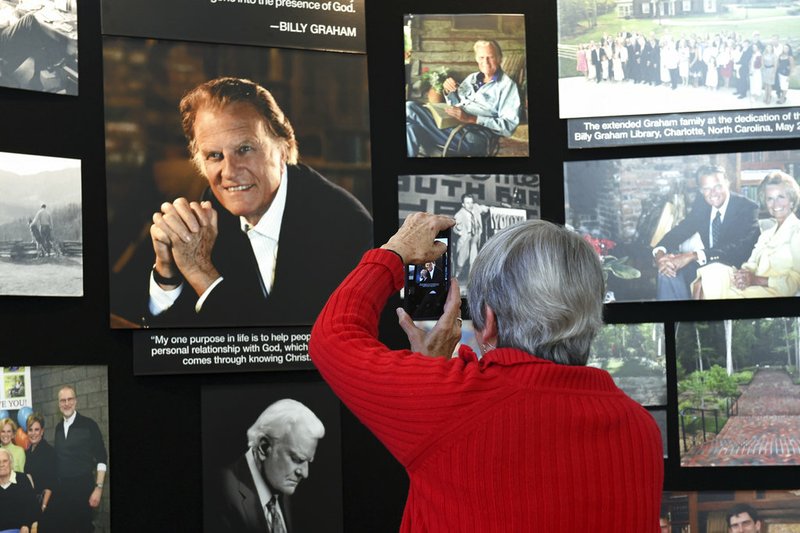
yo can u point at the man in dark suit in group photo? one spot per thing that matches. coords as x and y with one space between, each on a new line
81 465
435 273
256 488
244 254
727 224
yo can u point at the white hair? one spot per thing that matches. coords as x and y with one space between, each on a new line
283 417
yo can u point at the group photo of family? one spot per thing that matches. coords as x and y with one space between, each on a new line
623 61
699 227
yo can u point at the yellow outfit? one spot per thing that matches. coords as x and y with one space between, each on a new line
776 256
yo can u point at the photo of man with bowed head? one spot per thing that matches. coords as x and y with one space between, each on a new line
271 470
239 256
282 443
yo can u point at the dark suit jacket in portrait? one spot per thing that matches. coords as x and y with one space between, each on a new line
240 509
738 234
438 274
324 232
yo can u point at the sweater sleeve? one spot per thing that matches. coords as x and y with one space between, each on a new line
98 448
401 396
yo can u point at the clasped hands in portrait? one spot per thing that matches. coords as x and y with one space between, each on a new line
183 235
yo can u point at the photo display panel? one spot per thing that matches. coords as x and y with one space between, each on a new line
466 85
35 403
312 162
738 392
481 204
634 355
633 73
731 510
654 223
41 226
285 435
309 24
39 45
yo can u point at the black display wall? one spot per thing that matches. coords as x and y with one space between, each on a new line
155 478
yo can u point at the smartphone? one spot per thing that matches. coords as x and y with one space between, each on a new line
426 285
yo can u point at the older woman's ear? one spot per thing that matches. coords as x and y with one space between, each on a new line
487 337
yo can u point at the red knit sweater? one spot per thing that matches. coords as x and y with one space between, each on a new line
510 443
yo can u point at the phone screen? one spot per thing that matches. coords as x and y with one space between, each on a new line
426 285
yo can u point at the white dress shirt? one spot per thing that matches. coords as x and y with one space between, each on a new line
701 254
264 494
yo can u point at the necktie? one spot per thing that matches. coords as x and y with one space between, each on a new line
275 520
716 226
264 290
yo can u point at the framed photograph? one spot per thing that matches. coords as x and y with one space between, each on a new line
654 224
280 440
733 510
314 25
482 205
34 405
738 403
634 356
318 103
466 86
642 58
41 226
39 45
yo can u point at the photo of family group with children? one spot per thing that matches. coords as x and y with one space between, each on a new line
633 57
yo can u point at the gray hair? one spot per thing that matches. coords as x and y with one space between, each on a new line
281 418
10 457
488 42
545 286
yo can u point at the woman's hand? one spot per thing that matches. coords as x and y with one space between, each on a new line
416 242
440 341
745 278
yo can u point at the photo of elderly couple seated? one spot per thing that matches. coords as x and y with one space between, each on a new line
704 227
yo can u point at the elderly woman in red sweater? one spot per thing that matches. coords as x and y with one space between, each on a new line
523 438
